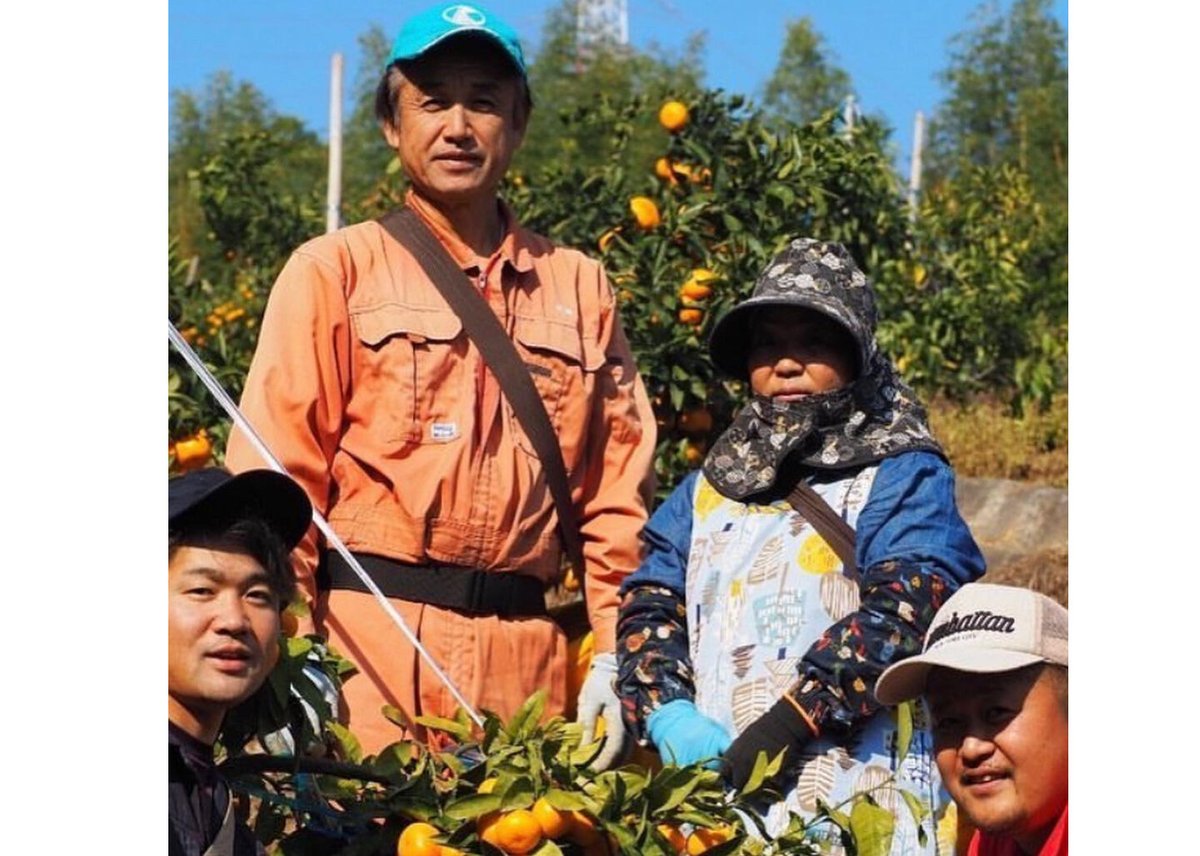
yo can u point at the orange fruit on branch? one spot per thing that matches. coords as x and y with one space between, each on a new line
193 452
703 839
417 839
691 316
645 212
554 823
673 116
516 832
607 238
674 836
486 826
583 829
699 285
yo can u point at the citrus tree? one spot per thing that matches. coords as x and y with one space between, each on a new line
972 291
216 300
980 303
525 786
684 236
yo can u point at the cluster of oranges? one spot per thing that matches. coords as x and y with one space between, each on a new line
699 841
222 314
695 290
225 313
676 172
673 116
522 830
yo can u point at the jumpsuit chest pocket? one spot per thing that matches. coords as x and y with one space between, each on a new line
412 368
562 363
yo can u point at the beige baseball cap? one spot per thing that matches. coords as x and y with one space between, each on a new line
983 627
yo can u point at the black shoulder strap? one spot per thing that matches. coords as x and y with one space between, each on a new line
828 523
501 358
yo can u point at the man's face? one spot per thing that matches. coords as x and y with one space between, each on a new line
460 122
795 352
1001 746
223 628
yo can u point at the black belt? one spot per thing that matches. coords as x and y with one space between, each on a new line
505 594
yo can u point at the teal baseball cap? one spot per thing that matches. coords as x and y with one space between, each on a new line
433 26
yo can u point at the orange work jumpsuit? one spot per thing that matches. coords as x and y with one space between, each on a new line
366 388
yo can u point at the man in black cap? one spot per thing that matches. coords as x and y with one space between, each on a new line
229 578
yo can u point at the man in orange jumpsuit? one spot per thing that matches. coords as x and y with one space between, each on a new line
367 389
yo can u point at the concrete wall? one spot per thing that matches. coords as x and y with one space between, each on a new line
1013 520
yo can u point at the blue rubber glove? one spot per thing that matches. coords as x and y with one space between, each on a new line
683 735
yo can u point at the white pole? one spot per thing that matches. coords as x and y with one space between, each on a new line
914 178
333 201
331 537
848 114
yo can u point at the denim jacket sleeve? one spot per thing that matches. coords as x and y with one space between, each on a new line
913 550
653 663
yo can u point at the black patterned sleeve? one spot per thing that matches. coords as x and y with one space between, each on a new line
838 673
916 551
653 663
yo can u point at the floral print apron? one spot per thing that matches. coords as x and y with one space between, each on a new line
762 585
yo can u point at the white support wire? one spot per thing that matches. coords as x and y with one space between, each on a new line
218 391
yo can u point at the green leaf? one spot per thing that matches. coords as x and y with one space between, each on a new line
764 769
351 749
519 794
530 711
547 848
916 806
394 758
473 806
566 800
584 755
727 848
298 646
872 827
904 730
396 716
665 797
838 818
440 723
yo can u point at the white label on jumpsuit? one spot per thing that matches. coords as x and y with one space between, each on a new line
443 430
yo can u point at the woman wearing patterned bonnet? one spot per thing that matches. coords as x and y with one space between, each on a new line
743 631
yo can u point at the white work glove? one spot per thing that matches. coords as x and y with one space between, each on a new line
598 699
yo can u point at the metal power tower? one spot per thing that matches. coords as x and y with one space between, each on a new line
599 23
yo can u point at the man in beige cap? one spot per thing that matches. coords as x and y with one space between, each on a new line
994 675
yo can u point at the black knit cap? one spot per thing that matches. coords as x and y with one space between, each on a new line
817 275
215 494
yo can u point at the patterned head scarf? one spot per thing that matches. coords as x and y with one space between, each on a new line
875 416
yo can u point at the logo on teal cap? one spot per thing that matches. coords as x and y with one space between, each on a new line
465 16
428 28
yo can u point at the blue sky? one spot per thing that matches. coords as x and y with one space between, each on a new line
893 49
